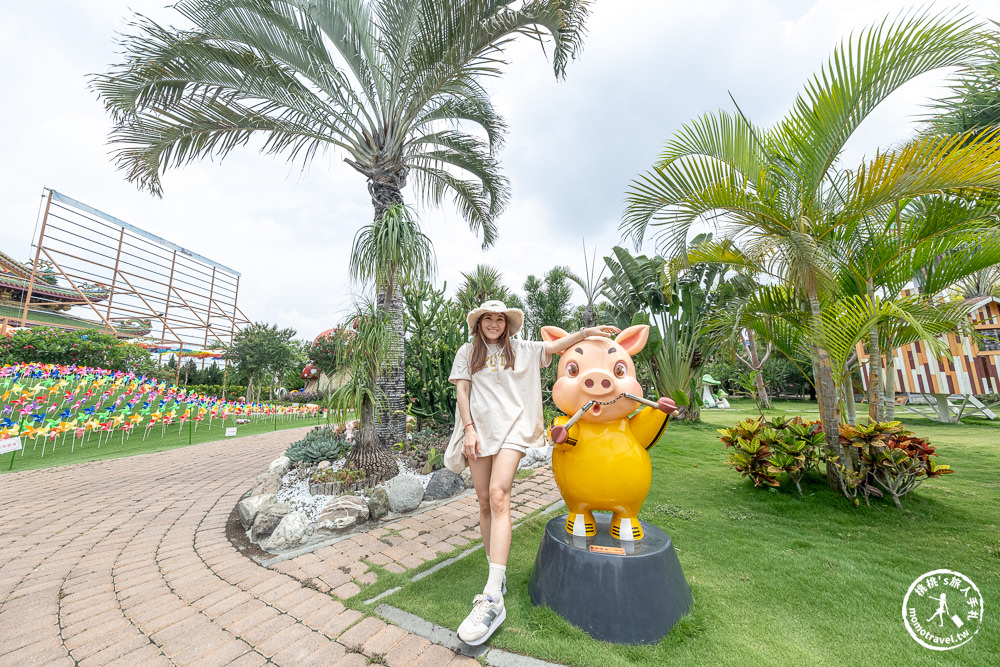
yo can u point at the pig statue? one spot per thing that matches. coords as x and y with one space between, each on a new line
600 461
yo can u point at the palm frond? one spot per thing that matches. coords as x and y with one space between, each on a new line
861 74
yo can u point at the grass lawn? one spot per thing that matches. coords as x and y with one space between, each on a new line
66 452
776 579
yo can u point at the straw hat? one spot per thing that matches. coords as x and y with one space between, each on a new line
515 316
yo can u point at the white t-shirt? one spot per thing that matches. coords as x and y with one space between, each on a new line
506 404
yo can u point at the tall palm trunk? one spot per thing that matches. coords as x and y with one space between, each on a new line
829 400
874 365
889 397
391 411
386 191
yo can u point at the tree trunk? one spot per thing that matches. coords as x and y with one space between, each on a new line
850 405
391 409
874 366
889 396
758 367
386 191
369 453
829 403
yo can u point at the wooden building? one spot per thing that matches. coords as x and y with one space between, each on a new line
971 367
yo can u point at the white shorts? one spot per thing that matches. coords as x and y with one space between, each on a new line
515 447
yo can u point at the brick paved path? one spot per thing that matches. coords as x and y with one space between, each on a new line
126 562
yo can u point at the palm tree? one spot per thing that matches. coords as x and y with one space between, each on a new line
783 191
391 250
389 83
360 351
933 241
482 284
984 282
591 284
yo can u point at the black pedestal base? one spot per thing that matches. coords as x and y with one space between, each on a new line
626 599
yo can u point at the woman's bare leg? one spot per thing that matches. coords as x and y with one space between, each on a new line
501 480
481 470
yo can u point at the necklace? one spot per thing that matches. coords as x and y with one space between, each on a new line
494 350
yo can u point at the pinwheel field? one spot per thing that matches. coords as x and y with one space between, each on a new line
65 414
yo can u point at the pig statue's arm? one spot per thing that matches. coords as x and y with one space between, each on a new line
561 437
648 424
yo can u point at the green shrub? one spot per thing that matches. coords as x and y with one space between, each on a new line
885 455
232 391
49 345
763 449
320 444
424 449
347 477
890 457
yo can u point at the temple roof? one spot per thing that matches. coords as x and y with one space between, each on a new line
16 276
36 317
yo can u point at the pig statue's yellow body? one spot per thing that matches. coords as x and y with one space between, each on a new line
601 462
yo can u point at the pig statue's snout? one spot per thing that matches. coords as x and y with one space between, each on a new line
597 382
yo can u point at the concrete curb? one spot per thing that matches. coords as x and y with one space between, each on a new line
440 635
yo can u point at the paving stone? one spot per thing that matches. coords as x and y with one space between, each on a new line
359 633
259 633
301 650
383 640
435 655
195 651
348 590
116 650
406 651
352 660
282 639
225 654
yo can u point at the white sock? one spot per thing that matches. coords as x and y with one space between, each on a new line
494 583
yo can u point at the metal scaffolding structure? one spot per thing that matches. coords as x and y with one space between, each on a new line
144 282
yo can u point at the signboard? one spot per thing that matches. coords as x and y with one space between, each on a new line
598 549
10 445
230 431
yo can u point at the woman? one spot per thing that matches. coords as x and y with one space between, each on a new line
499 416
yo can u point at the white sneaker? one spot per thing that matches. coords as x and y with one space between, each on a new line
486 616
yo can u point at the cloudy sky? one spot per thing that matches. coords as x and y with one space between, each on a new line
647 67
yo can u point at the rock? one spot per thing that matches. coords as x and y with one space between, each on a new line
378 504
342 513
405 493
467 478
267 520
443 484
280 465
322 465
266 482
294 527
535 456
248 508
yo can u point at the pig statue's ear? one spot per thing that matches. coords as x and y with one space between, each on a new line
550 334
633 339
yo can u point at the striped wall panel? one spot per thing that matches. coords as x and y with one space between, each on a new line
965 370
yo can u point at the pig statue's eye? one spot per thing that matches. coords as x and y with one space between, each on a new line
572 369
620 369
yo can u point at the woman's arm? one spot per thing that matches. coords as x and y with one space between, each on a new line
470 447
557 346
